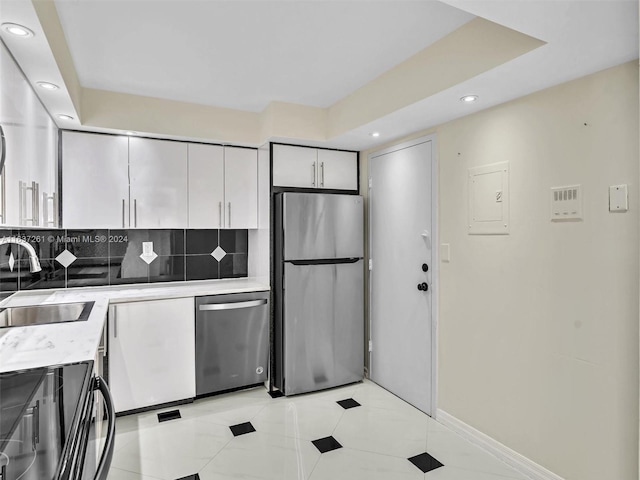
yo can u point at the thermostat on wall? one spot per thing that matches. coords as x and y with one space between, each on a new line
566 203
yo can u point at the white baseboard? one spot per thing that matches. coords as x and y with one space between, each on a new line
518 462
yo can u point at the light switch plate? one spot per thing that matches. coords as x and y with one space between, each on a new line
445 252
147 248
566 203
618 198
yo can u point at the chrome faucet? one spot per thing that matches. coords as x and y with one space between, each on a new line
34 263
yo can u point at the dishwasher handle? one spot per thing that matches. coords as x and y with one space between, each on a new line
232 305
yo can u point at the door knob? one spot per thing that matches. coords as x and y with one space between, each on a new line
423 287
425 267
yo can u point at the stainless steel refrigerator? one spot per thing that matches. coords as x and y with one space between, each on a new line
319 311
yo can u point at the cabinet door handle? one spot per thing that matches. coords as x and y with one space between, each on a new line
135 213
115 322
3 155
56 222
322 174
313 169
46 213
220 214
3 152
34 413
35 203
123 213
45 208
22 203
103 340
229 214
3 182
21 194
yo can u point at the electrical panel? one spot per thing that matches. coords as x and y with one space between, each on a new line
488 189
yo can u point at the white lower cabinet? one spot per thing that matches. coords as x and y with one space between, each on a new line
151 352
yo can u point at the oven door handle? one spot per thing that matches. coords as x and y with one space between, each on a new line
107 454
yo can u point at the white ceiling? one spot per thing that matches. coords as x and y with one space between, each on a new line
583 37
245 54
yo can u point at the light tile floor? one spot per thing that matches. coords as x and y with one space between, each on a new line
377 438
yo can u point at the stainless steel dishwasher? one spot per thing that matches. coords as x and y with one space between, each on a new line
232 341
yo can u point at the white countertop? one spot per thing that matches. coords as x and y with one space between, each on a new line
70 342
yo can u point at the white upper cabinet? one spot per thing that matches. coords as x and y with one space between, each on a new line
113 181
206 186
95 180
158 176
304 167
30 146
241 187
223 187
295 166
338 169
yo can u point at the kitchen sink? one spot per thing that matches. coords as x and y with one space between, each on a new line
43 314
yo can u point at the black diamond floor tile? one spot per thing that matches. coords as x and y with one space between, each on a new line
425 462
171 415
242 428
276 394
348 403
326 444
195 476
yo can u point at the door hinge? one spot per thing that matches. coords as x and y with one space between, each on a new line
370 346
370 264
370 182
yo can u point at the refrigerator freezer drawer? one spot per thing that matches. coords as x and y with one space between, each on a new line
232 341
322 226
323 326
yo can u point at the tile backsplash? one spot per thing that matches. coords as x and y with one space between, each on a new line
80 258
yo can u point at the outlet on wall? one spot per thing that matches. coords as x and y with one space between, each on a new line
147 248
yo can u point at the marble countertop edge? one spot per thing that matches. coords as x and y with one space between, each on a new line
28 347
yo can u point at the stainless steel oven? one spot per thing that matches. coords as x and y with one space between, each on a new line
50 427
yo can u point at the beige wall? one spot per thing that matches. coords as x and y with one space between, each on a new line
538 330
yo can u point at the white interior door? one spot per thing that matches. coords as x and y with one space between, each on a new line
401 224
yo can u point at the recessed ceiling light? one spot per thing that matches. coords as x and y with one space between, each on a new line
17 30
469 98
375 134
62 116
48 86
